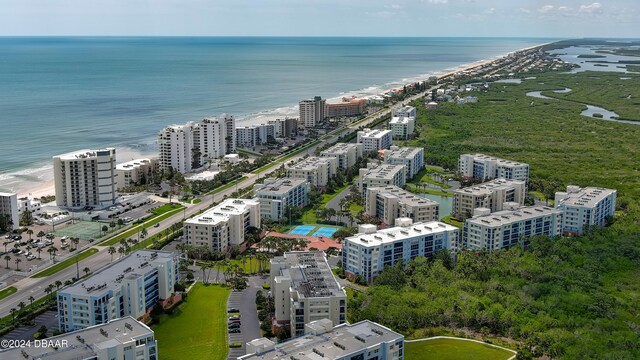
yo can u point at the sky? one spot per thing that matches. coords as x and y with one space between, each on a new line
482 18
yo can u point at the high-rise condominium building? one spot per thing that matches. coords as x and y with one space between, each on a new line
485 167
374 140
312 112
502 229
128 287
254 135
222 226
381 176
304 290
367 253
402 123
585 206
411 157
284 128
86 178
491 195
9 212
276 195
316 170
346 153
391 202
345 107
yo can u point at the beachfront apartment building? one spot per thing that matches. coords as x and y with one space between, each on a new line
304 290
254 135
411 157
364 340
368 252
316 170
374 139
503 229
186 147
585 207
135 172
124 338
284 128
391 202
128 287
9 211
223 226
485 167
27 204
403 122
491 195
381 176
311 112
86 178
276 195
347 154
345 107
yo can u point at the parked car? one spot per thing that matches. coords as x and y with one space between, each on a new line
31 257
233 310
156 225
235 317
64 246
234 331
17 237
15 250
234 326
234 322
48 242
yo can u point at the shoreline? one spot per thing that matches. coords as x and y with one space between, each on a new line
45 185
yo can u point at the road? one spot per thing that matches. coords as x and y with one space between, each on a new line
36 286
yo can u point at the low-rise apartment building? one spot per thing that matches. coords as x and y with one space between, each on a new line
365 340
86 178
374 139
222 226
485 167
403 122
585 207
127 287
367 253
391 202
491 195
345 107
382 175
502 229
411 157
346 154
9 212
275 195
304 290
316 170
124 338
135 172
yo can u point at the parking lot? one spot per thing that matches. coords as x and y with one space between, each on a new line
245 301
48 319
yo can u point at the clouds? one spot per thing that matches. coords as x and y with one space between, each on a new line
545 9
595 7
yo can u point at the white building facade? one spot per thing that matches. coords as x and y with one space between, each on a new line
311 112
485 167
86 178
403 122
491 195
367 253
9 211
382 175
128 287
275 195
135 172
411 157
347 154
316 170
390 202
222 226
585 207
374 139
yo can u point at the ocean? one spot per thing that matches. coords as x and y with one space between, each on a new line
61 94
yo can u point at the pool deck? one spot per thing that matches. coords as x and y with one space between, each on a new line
320 243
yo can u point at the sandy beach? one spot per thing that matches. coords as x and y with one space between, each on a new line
45 184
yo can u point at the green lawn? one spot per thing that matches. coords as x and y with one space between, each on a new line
450 221
198 328
134 230
450 349
61 265
165 208
7 291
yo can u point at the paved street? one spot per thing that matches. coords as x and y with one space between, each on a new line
246 301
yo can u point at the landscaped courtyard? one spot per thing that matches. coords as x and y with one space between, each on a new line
197 329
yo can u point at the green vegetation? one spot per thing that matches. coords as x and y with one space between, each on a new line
64 264
165 208
147 224
590 56
451 349
449 220
197 329
7 291
566 298
227 185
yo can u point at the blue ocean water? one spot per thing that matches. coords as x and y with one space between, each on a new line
60 94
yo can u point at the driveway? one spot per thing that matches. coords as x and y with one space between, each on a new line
335 202
246 301
48 319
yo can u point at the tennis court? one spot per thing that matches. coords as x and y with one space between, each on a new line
325 231
84 230
301 230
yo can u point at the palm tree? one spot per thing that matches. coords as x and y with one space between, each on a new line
13 313
58 284
144 233
5 245
112 224
49 289
17 261
21 305
121 251
40 235
75 242
86 270
7 258
31 299
112 250
120 222
30 232
39 250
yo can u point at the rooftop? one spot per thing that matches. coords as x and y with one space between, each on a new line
133 164
588 196
397 233
374 133
109 277
483 157
81 343
222 211
343 340
402 152
278 186
490 186
4 194
383 171
500 218
404 196
401 120
310 274
85 154
310 163
340 148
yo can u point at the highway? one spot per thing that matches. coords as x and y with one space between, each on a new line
36 286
